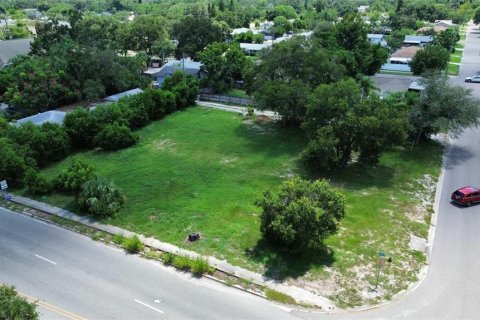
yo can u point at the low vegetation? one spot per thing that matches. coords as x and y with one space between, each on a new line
279 297
132 244
13 307
192 172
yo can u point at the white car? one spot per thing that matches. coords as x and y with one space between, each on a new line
473 79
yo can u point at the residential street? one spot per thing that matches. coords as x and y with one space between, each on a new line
84 279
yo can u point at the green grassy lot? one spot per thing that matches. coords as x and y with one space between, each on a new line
202 169
459 46
455 58
453 69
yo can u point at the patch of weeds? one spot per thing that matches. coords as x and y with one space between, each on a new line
153 255
118 239
133 244
279 297
419 256
182 263
97 235
167 258
200 266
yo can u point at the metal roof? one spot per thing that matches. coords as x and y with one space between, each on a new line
118 96
39 119
11 48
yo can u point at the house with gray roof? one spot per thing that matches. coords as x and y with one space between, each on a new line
41 118
419 41
377 38
118 96
169 68
12 48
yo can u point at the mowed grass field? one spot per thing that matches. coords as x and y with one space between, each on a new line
200 170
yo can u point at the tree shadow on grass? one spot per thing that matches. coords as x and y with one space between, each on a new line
272 139
280 264
356 176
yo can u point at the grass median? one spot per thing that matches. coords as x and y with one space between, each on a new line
201 170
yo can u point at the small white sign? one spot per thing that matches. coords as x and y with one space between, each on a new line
3 184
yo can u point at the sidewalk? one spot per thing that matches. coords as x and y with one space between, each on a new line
237 109
300 295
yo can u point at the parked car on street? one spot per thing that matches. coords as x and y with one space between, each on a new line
466 196
473 79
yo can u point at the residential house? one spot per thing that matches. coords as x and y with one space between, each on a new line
118 96
362 9
436 29
253 48
41 118
377 38
11 48
400 59
169 68
445 23
418 41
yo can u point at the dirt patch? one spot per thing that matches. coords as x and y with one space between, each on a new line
425 191
228 160
262 119
167 145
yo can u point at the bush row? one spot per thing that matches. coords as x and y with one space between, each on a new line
27 147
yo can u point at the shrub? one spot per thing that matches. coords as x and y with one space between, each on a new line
168 258
75 176
37 184
153 255
136 115
114 137
12 164
200 266
100 197
118 239
278 296
182 263
133 244
47 143
80 127
14 307
184 87
108 114
302 215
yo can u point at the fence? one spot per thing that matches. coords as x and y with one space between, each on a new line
226 99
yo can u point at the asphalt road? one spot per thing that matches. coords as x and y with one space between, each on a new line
77 278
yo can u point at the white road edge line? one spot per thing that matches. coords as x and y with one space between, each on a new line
146 305
286 309
45 259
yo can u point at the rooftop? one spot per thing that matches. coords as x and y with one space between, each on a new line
418 39
11 48
118 96
39 119
406 52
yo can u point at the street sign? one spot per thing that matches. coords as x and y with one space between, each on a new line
381 254
3 184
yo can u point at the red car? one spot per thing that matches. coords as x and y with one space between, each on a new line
466 196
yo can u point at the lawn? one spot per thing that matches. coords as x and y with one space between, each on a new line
459 46
453 69
202 169
455 58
